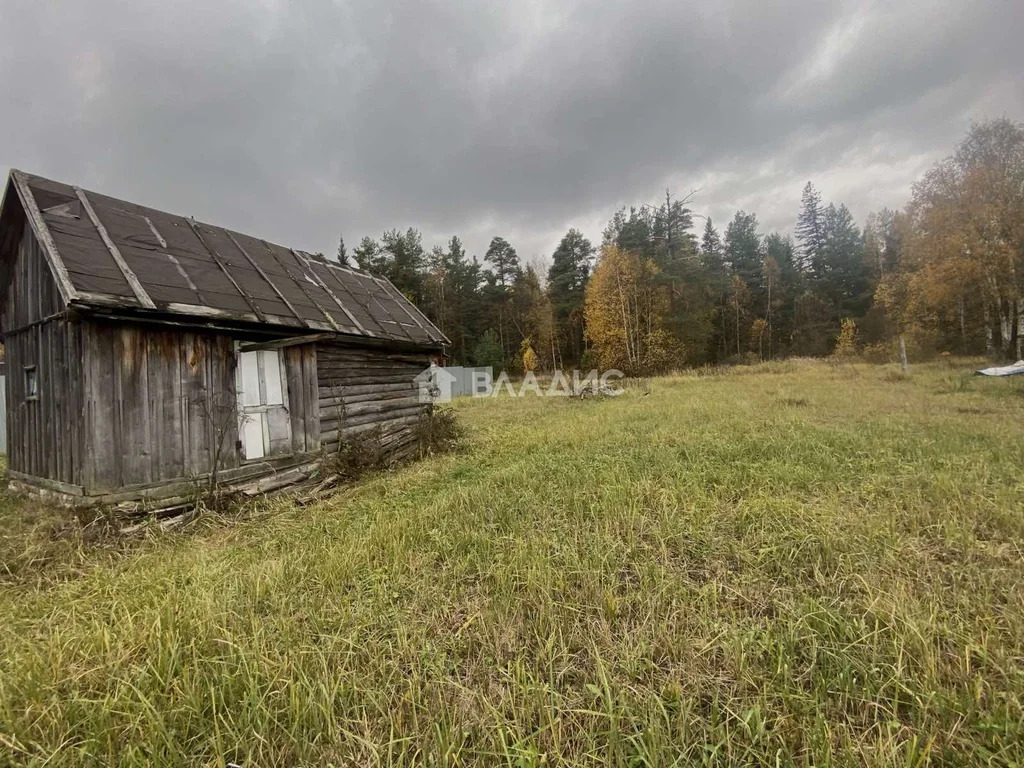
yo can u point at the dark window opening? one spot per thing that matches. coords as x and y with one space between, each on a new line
31 383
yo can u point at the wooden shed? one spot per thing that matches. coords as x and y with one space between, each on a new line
146 349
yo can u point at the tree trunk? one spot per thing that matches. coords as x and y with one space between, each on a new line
501 335
963 324
737 329
989 343
904 365
1005 325
625 318
1020 327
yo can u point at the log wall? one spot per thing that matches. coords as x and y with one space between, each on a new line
366 389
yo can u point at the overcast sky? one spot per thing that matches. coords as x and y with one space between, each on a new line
299 120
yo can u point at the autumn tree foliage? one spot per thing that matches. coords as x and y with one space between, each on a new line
532 318
846 344
945 273
529 356
625 312
957 276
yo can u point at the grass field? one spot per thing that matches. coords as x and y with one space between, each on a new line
797 563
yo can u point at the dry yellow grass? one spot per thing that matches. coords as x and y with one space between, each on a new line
795 563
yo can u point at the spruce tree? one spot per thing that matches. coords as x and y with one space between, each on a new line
342 251
743 249
711 248
845 279
716 285
810 230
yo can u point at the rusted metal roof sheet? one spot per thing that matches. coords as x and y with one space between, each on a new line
107 253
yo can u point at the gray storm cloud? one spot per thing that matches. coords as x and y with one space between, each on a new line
300 121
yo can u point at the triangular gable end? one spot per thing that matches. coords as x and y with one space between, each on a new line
34 217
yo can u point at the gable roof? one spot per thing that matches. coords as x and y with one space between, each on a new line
106 252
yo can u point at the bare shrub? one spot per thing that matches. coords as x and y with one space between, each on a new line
439 431
220 412
357 456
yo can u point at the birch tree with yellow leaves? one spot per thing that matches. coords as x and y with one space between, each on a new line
625 311
961 271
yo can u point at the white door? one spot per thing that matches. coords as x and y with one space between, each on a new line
265 427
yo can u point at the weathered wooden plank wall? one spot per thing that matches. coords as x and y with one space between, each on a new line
44 431
300 364
159 400
365 389
32 295
3 411
156 402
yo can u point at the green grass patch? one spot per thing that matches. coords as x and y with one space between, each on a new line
796 563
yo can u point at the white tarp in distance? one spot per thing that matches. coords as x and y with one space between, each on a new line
1003 370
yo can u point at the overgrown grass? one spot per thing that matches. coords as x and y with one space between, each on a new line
795 563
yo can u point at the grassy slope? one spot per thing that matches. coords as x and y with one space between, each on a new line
800 562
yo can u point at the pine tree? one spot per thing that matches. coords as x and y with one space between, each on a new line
632 231
497 294
467 283
673 248
570 265
712 260
567 279
404 261
671 233
503 260
368 256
